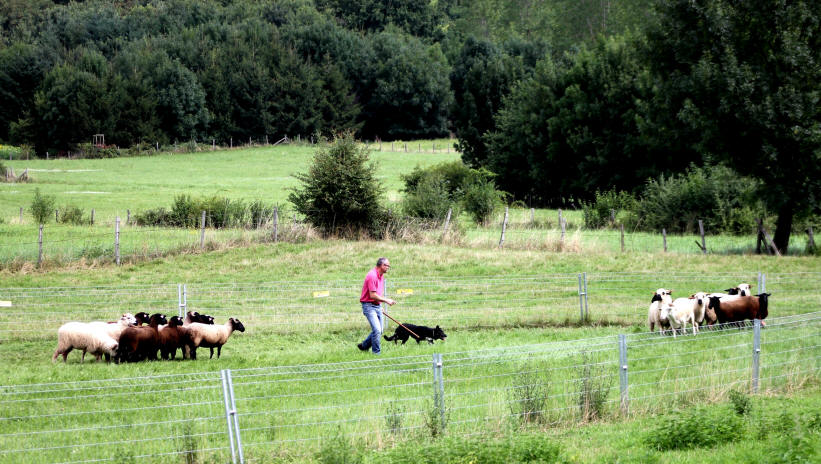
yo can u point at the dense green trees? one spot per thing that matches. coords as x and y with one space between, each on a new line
559 98
742 80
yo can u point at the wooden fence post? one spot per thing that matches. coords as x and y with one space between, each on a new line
40 247
532 216
767 238
621 227
703 242
810 240
276 224
664 238
117 241
92 216
202 230
447 223
504 226
127 217
21 215
55 216
562 225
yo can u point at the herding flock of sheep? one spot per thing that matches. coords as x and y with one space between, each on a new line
736 305
128 340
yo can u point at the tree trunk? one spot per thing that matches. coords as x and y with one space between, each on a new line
783 226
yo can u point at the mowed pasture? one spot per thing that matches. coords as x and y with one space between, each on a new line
522 347
123 187
514 333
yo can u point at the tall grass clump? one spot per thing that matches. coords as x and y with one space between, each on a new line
393 419
528 395
701 427
593 387
338 450
188 445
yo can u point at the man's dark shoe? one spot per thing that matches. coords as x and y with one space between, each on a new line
361 347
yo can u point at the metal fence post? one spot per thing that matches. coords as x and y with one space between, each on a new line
439 387
756 352
763 287
583 314
231 416
625 396
117 241
183 299
228 411
584 282
581 302
758 284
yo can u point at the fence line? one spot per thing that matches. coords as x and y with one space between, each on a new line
289 409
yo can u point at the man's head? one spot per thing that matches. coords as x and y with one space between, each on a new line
382 265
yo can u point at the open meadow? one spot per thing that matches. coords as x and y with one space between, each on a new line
548 357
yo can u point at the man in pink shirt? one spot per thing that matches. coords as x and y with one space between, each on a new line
373 291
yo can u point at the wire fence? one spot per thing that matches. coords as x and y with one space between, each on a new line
457 302
261 414
117 241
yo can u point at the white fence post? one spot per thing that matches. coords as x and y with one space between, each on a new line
756 353
117 241
231 417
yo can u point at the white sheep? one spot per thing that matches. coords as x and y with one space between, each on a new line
661 297
682 311
210 336
86 337
115 329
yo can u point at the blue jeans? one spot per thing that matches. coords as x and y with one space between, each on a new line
373 312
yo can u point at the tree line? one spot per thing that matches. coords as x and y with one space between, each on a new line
557 98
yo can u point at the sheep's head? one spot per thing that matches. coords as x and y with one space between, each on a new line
763 305
128 319
204 319
714 304
175 321
237 325
699 297
142 317
744 289
157 319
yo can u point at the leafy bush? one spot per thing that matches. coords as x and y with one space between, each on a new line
9 152
721 198
2 171
340 192
153 217
220 212
71 214
597 214
185 211
88 150
512 449
741 403
696 428
481 200
430 198
42 207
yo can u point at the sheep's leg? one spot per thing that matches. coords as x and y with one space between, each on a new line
212 352
219 351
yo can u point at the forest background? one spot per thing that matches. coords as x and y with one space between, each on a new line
559 99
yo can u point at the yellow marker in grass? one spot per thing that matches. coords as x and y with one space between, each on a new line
404 291
322 294
5 304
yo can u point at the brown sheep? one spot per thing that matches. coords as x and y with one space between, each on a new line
738 309
138 343
171 337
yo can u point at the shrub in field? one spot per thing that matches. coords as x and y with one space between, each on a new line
184 211
430 198
512 449
153 217
340 193
528 395
717 195
481 200
88 150
2 171
42 207
742 404
597 214
71 214
696 428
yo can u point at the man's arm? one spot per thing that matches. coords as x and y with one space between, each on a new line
377 297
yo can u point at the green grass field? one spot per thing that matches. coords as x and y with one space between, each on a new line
304 393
